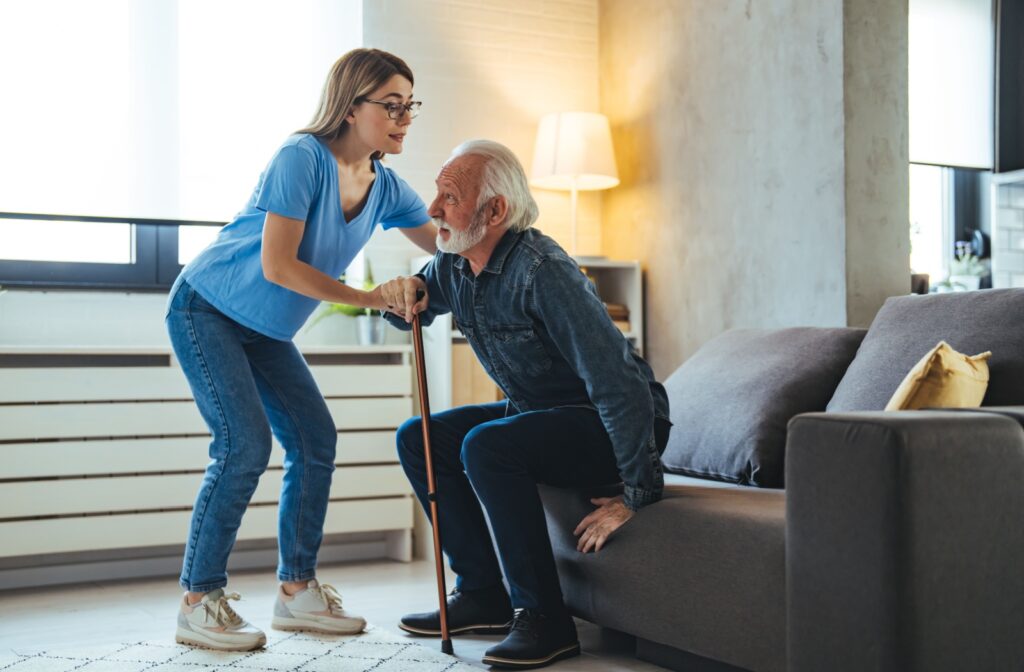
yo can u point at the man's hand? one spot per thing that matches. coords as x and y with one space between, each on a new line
399 296
595 529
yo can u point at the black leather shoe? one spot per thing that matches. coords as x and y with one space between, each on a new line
481 612
536 640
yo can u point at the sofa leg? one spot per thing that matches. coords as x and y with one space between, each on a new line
608 639
679 660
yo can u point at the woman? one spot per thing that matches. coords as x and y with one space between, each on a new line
232 314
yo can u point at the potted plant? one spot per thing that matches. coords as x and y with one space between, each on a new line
966 270
371 326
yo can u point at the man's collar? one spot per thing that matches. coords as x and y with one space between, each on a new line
501 250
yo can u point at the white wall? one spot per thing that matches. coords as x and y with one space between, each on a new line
489 69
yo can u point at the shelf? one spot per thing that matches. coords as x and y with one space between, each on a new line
605 263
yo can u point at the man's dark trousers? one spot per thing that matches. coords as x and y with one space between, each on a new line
503 458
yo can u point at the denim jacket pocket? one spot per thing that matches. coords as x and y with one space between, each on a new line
521 350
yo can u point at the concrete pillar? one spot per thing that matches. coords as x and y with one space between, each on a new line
763 154
877 150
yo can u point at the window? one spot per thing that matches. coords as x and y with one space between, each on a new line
135 116
191 241
55 251
931 212
950 83
55 240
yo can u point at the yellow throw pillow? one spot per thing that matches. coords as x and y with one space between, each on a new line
944 378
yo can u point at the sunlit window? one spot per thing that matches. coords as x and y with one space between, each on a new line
87 242
192 240
930 220
949 87
151 109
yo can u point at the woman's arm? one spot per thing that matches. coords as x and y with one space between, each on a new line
424 236
281 266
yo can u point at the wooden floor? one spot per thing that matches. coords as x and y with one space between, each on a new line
112 612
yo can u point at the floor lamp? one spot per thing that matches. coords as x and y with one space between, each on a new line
573 152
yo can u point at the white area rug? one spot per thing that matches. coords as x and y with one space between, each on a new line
285 652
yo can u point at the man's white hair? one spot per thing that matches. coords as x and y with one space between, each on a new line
502 175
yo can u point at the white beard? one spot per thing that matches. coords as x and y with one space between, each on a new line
460 241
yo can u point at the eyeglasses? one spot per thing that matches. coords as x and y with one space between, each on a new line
397 110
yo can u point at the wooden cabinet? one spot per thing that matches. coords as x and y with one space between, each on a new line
470 383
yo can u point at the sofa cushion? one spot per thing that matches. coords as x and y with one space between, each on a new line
907 327
731 400
703 570
943 378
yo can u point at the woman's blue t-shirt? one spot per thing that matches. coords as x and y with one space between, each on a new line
300 182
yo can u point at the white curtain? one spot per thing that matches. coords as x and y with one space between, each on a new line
951 64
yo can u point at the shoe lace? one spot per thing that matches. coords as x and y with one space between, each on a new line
527 621
222 612
330 595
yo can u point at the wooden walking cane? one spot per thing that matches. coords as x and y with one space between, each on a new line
421 377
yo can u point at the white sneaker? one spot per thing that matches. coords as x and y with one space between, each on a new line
317 608
214 624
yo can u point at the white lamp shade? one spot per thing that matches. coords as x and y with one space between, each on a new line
574 149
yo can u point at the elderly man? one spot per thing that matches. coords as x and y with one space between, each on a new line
583 408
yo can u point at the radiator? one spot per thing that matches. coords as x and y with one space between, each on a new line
104 449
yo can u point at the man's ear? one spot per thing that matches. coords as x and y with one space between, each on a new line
497 211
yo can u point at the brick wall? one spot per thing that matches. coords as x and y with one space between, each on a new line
488 69
1008 236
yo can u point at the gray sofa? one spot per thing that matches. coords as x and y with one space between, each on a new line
896 544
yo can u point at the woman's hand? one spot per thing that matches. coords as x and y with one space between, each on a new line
611 513
398 296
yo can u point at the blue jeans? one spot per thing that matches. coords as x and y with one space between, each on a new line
483 456
248 385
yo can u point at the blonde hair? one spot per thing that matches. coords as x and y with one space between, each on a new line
352 77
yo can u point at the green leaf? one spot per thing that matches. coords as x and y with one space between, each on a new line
328 309
967 264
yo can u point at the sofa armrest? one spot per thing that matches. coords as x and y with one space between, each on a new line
905 541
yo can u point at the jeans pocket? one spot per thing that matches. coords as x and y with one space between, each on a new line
197 302
522 350
177 298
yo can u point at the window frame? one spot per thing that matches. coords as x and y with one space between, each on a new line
154 269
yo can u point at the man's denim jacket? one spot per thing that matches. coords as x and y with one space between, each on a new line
538 327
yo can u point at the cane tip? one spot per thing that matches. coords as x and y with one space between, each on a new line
446 647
